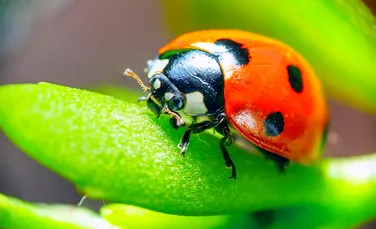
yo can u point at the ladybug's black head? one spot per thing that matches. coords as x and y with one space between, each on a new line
163 93
163 97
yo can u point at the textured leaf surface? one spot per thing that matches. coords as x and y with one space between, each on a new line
115 150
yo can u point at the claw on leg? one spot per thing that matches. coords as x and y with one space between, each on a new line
183 150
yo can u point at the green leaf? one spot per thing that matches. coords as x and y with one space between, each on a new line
127 216
337 37
16 214
118 151
118 92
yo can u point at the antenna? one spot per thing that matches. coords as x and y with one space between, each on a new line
130 73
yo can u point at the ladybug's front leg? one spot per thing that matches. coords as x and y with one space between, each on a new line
176 121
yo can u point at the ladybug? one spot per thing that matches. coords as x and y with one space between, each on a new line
259 86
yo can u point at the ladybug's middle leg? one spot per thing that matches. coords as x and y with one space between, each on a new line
227 139
195 129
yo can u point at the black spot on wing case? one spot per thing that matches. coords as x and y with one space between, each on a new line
295 78
240 54
274 124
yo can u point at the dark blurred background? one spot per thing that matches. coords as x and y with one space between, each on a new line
89 42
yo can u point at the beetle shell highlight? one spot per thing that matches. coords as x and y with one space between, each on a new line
271 94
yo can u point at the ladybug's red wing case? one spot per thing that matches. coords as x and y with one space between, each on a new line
272 96
277 103
260 86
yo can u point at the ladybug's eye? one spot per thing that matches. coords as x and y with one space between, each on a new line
176 102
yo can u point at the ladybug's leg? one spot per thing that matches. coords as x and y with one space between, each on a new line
227 139
281 162
174 122
221 127
195 129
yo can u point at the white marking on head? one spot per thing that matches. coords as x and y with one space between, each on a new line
158 66
157 84
246 119
195 103
228 64
227 61
168 96
210 47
